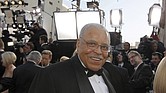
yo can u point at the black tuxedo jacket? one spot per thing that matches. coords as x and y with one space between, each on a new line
2 68
66 77
23 76
141 79
119 77
129 67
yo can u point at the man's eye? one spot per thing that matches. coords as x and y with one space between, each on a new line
104 47
91 44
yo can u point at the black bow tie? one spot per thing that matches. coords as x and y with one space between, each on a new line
91 73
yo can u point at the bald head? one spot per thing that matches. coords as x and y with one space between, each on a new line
93 26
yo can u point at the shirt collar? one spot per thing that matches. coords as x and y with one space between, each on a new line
138 66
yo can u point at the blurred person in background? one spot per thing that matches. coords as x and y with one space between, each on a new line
156 58
43 41
118 60
22 52
7 40
159 85
23 75
36 31
46 58
126 50
8 60
140 81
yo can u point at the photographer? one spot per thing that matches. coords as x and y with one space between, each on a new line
22 52
6 39
36 31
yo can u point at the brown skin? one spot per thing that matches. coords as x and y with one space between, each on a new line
92 59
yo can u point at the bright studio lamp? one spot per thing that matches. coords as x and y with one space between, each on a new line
154 15
116 18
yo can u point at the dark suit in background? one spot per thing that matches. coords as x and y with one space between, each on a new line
141 79
119 77
2 68
129 67
23 76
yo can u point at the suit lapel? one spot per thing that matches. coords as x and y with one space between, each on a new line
137 71
108 83
82 79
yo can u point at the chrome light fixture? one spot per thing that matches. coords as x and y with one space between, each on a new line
116 18
154 15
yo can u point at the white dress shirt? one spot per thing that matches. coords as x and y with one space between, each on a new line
98 84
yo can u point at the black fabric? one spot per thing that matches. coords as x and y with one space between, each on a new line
82 79
6 83
23 76
118 77
70 77
105 76
141 79
2 68
91 73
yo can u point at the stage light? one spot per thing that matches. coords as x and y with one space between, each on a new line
20 26
6 2
14 26
77 18
38 10
116 17
13 2
154 15
20 2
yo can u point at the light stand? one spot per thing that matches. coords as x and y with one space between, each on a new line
154 19
116 22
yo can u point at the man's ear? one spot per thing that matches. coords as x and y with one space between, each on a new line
77 43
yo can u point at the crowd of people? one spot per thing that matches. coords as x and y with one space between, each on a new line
94 66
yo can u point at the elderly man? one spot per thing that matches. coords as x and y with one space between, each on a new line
82 73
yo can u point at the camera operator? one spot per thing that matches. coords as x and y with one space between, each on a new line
22 53
36 31
6 39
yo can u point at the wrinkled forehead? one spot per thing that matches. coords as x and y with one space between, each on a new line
95 31
96 34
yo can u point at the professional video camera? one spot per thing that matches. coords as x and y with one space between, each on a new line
19 35
19 44
9 42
